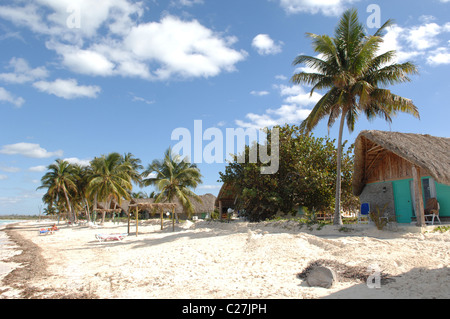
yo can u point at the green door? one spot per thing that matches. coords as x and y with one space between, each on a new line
403 202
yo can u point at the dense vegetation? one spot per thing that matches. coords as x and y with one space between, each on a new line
306 177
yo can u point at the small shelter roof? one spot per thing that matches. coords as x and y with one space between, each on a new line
227 193
425 151
149 203
104 207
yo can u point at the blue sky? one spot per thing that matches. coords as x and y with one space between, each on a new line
79 79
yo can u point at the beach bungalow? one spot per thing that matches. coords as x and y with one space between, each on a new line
226 199
401 172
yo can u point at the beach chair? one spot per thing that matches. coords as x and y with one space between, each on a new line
45 231
364 213
106 237
432 210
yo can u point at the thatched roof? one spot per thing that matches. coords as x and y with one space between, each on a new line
425 151
227 193
104 207
205 206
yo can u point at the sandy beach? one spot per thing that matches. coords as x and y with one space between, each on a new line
221 261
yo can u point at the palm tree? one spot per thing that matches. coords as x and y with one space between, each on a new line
174 177
59 181
356 77
135 167
110 179
83 176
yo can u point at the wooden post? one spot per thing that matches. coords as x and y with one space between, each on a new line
173 218
128 213
137 220
418 196
220 209
161 218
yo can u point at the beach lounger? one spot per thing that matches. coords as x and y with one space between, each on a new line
45 231
105 237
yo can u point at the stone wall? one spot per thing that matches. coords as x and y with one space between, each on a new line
379 194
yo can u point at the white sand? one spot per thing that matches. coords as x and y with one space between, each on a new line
236 260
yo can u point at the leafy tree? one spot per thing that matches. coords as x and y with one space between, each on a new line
173 177
306 176
356 77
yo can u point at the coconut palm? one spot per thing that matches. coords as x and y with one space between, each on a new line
174 177
356 76
135 167
59 181
83 175
110 179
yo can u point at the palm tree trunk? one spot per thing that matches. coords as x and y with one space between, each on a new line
69 207
337 206
88 213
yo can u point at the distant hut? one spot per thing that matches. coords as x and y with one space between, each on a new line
402 171
107 208
201 209
226 199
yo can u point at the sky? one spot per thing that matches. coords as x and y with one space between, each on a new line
81 78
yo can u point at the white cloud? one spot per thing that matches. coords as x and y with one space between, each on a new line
416 41
259 93
40 168
28 150
184 48
84 61
297 95
51 17
77 161
141 99
424 36
22 72
294 110
9 169
6 96
67 89
3 177
186 3
112 41
395 39
326 7
439 56
264 45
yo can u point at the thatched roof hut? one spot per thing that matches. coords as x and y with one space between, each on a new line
401 172
430 153
227 198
